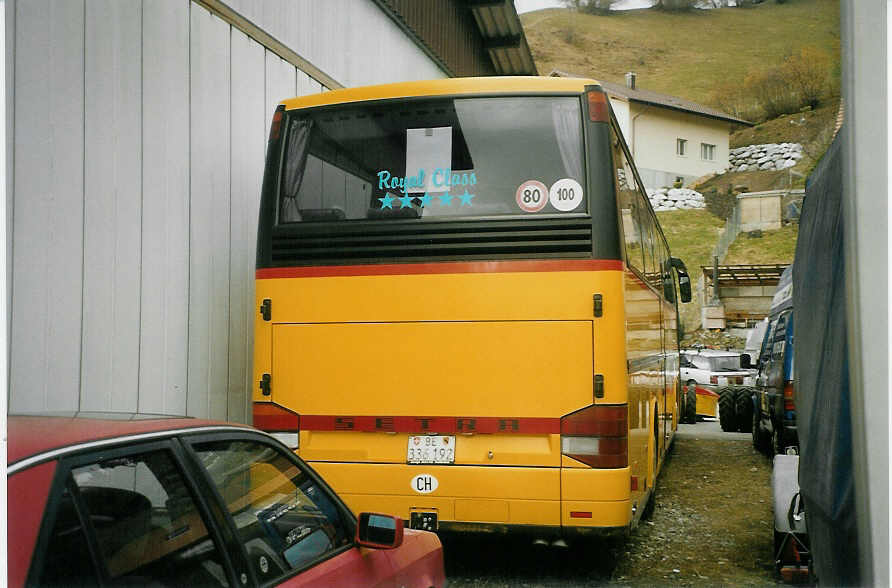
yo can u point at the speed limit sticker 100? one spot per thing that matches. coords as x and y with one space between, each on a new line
565 194
532 196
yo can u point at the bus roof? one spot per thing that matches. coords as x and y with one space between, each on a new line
444 87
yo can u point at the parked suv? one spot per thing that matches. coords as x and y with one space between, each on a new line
774 409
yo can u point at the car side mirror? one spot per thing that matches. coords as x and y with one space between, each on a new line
745 361
379 531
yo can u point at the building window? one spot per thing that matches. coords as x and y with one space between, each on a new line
681 147
707 152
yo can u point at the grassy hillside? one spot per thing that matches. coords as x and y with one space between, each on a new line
772 247
692 54
685 54
692 235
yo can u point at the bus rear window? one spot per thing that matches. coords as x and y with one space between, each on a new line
409 159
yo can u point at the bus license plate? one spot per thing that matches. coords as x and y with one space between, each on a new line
431 449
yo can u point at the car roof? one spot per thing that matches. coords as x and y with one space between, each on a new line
32 435
712 352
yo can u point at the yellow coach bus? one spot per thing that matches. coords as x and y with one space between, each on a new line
467 311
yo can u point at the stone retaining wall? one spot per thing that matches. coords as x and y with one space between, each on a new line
664 199
770 156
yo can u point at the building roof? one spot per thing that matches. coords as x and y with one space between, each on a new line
444 87
466 37
661 100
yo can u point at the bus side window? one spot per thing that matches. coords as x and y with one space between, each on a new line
651 269
626 195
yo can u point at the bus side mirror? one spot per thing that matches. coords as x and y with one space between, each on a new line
668 287
684 281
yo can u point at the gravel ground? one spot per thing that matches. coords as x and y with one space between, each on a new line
711 526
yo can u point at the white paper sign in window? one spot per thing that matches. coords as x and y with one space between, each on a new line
428 150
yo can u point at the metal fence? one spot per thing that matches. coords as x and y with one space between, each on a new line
729 234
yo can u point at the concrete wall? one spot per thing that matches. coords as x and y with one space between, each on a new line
654 131
760 210
137 131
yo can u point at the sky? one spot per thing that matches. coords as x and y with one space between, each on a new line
530 5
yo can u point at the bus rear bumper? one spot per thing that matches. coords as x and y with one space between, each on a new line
536 531
489 499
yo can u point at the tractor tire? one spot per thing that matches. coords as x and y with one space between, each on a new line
690 406
744 402
761 439
728 409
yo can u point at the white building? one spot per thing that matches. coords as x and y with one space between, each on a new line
136 132
670 138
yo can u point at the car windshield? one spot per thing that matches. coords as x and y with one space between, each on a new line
729 363
510 155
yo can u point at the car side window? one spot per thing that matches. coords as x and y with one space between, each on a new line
147 526
701 362
285 520
68 560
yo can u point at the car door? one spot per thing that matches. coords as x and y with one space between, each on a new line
685 368
292 528
129 515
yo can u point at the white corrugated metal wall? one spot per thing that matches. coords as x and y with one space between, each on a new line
137 132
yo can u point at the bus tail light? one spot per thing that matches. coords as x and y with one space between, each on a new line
597 106
597 435
789 405
276 126
278 421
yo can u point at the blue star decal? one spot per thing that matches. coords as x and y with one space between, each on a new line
426 199
446 200
387 201
406 201
466 198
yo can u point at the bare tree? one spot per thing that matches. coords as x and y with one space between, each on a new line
674 4
589 6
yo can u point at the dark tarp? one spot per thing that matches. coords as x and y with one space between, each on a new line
823 413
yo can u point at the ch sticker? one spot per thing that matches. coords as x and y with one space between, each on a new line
424 483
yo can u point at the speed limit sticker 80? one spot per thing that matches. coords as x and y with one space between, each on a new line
532 196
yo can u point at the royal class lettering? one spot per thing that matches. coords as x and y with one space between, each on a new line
444 178
441 178
386 181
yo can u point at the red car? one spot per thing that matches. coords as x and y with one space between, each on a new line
180 502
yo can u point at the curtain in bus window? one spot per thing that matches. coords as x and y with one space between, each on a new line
298 142
514 139
569 135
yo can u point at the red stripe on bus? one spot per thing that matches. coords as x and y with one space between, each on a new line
470 267
272 417
705 391
411 424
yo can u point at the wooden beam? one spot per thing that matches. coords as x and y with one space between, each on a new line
218 8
